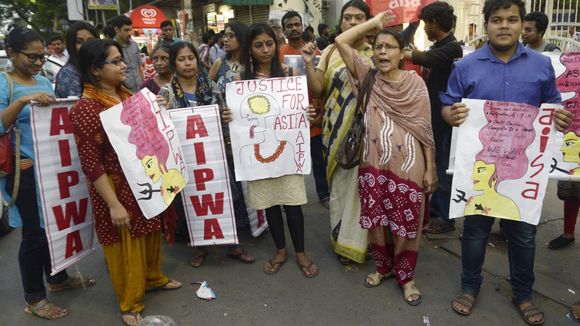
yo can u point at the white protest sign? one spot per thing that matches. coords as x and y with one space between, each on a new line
207 196
62 186
502 160
270 128
566 151
149 151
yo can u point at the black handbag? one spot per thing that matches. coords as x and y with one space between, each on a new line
350 149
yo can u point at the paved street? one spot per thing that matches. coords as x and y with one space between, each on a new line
247 296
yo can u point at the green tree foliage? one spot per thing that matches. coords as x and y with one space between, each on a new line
44 16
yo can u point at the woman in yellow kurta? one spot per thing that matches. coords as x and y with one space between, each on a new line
131 243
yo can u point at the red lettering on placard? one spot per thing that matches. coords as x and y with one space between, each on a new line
201 177
195 127
74 244
260 214
65 181
532 192
77 212
547 119
64 150
60 121
208 203
535 164
199 153
212 229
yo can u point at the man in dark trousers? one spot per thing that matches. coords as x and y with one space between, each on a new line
502 70
438 61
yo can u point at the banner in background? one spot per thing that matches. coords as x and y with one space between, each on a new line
207 196
149 151
405 11
62 187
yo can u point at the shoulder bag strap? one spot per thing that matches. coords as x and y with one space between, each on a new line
17 147
365 91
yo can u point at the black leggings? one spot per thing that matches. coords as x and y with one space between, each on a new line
295 220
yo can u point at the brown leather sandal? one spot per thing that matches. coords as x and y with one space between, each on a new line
46 310
72 283
465 299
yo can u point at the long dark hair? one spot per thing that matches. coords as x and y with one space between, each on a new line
250 65
92 54
19 38
241 32
71 39
175 48
359 4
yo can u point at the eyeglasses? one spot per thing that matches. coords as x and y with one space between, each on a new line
33 57
116 62
387 47
529 30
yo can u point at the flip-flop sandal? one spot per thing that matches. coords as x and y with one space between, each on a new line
134 314
376 278
571 313
410 289
198 260
306 269
463 299
243 256
527 313
72 283
169 286
45 310
274 266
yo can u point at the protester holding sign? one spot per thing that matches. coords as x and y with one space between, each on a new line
17 89
190 88
512 80
393 178
329 80
259 58
224 71
131 243
68 80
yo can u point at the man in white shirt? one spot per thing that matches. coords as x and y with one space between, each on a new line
58 58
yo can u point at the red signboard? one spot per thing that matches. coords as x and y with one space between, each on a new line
147 16
406 11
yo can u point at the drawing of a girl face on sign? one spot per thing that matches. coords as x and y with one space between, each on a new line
257 108
571 150
569 82
505 138
152 149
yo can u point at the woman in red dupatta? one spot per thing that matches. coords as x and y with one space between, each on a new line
397 167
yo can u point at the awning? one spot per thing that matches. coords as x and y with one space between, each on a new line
248 2
147 16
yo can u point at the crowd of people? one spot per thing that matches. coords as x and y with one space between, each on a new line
409 116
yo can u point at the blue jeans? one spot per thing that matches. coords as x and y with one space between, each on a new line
319 167
521 241
439 204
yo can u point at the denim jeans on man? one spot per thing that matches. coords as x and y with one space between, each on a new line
521 250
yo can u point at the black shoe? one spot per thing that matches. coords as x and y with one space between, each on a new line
560 242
